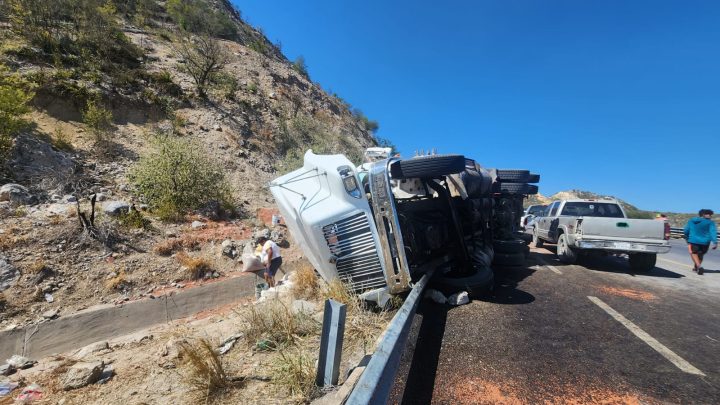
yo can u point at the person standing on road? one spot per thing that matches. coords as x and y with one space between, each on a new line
700 232
270 258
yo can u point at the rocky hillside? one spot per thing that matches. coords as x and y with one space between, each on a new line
675 219
170 113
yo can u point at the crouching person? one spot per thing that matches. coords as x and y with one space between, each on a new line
271 259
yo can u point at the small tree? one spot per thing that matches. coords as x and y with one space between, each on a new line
204 57
15 93
98 120
176 176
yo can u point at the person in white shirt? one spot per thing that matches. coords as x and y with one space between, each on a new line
270 258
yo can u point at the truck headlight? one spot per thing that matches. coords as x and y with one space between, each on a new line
349 181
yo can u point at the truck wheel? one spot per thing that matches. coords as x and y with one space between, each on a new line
477 284
537 242
427 166
642 262
512 176
510 188
532 189
509 246
509 259
565 253
534 178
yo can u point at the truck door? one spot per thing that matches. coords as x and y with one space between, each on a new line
547 220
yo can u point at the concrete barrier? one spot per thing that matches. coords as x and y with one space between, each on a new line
104 322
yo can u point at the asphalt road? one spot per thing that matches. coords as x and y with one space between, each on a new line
574 334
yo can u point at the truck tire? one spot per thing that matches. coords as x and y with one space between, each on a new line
642 262
509 246
512 176
509 259
536 241
511 188
427 166
479 283
565 253
534 178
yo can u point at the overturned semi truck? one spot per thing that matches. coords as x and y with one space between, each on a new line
381 225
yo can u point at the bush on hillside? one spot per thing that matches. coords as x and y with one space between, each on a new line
98 120
301 67
177 176
198 17
204 58
15 93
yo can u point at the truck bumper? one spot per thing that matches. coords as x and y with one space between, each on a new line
622 247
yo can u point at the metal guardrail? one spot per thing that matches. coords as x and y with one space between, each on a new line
678 233
375 383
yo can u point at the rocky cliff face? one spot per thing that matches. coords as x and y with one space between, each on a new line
260 113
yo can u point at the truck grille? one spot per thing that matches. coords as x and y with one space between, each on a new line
351 241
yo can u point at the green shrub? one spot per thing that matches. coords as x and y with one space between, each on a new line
177 176
227 84
97 119
198 17
301 67
61 140
15 93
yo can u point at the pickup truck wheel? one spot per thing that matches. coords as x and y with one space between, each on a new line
512 176
534 178
509 259
511 188
537 242
509 246
565 253
642 262
427 166
477 284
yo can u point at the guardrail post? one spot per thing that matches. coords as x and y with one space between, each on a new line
331 343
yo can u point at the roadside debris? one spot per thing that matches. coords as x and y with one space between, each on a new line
436 296
460 298
456 299
6 387
228 343
20 362
32 392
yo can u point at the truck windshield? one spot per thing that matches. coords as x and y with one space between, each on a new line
592 209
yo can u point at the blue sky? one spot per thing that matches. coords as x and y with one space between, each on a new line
615 97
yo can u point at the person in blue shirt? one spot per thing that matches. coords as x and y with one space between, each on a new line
700 232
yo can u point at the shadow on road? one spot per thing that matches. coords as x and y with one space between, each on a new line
507 280
620 265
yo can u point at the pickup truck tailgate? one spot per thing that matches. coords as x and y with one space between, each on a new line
622 228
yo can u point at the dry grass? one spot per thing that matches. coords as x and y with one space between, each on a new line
117 282
294 369
306 283
275 323
362 326
172 245
12 238
203 369
195 267
36 267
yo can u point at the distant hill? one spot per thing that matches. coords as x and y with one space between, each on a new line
676 219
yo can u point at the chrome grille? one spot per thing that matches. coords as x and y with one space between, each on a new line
350 240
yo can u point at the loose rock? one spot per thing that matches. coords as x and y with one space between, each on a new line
82 374
16 194
8 274
51 314
20 362
7 369
115 208
198 225
92 348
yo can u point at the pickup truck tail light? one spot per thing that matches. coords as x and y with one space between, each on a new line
578 226
667 231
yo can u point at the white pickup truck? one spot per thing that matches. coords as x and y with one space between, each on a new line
587 226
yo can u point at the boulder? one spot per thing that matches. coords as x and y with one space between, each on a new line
115 208
20 362
7 369
92 348
198 225
8 274
16 194
82 374
51 314
265 233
